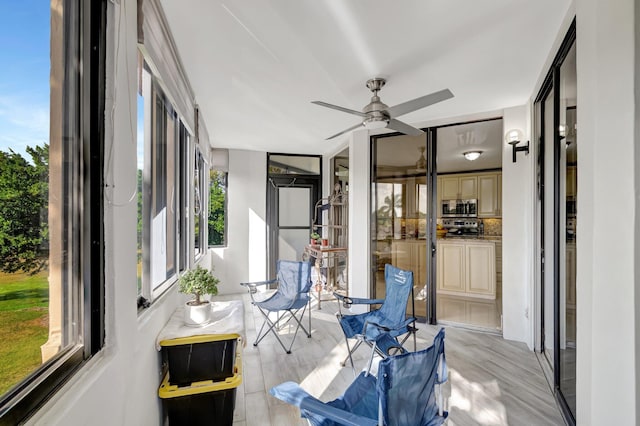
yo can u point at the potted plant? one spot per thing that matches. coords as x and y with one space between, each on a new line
315 238
198 282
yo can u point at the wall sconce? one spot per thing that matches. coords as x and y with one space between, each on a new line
513 138
472 155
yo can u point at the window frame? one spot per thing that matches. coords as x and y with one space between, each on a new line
165 130
225 241
83 49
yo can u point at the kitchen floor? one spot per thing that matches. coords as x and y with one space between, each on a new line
491 380
470 311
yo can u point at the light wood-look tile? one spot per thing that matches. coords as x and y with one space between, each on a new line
491 381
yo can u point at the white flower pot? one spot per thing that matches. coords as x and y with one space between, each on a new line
197 315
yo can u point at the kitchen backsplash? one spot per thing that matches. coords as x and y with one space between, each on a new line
492 226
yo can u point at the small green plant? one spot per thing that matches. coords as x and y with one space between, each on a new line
315 236
198 281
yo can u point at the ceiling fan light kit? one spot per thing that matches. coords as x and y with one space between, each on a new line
377 115
472 155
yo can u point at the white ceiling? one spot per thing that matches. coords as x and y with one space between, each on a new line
256 65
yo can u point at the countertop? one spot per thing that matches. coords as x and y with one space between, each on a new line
472 238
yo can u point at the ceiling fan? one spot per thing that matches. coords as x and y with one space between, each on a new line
377 115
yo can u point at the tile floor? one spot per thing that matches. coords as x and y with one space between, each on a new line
491 382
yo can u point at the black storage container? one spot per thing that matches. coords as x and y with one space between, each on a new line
197 358
205 402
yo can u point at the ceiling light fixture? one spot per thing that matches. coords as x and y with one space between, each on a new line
472 155
375 123
513 138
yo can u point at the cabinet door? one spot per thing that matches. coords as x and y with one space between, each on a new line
401 255
450 273
450 188
488 195
571 181
480 272
439 197
499 197
421 258
468 187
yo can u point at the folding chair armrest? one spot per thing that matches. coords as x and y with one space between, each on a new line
253 285
348 301
293 394
387 328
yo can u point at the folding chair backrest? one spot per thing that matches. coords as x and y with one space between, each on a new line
406 385
294 278
398 287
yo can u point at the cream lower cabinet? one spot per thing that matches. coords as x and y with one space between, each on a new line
411 255
467 268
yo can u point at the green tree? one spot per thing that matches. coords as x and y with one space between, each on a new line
217 196
24 199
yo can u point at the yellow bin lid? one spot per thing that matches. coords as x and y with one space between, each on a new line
168 390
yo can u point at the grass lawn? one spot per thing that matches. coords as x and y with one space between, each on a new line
24 325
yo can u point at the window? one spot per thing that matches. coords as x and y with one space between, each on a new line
217 208
163 228
51 192
198 203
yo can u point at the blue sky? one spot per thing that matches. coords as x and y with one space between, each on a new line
24 73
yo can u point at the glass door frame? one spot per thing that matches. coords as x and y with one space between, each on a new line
552 83
273 184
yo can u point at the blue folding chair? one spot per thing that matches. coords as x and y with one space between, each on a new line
406 392
381 328
288 302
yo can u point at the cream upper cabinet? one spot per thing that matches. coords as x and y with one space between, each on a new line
450 186
467 268
439 197
500 194
459 187
488 195
468 187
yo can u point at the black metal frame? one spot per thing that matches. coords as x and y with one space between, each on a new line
88 94
431 174
273 183
551 82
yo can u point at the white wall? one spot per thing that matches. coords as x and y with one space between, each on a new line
359 214
244 257
608 166
518 191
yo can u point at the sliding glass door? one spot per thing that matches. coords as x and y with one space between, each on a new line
556 128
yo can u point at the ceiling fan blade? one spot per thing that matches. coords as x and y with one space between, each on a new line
339 108
403 128
345 131
418 103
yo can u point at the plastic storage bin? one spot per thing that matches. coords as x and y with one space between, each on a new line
198 358
206 402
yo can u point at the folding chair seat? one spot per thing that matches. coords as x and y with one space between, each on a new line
382 328
406 392
289 301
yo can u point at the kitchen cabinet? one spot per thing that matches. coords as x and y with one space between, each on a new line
459 187
411 255
485 187
466 268
450 269
571 181
488 195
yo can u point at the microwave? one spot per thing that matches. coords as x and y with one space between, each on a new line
459 208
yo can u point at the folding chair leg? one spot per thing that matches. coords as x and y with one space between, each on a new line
309 306
373 352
